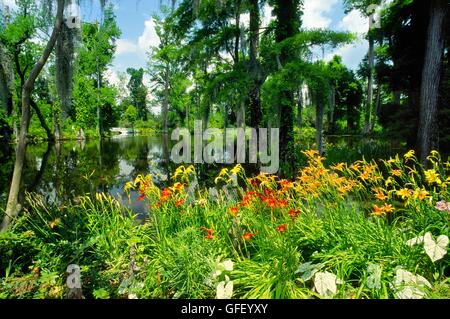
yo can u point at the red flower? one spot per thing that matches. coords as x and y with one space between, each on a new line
293 213
282 203
209 232
179 202
272 203
165 195
141 197
248 236
254 182
234 210
247 198
282 228
166 192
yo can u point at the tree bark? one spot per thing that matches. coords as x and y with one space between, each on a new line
428 134
50 136
41 118
165 106
332 109
240 119
300 108
376 109
255 68
319 123
287 14
13 207
367 111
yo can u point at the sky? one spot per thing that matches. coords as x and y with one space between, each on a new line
138 34
134 18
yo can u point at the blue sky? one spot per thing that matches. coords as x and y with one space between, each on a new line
134 18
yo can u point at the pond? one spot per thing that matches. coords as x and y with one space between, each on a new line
64 171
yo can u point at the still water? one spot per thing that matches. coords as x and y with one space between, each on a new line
62 172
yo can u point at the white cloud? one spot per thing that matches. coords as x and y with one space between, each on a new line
354 22
126 46
112 77
148 39
317 13
352 54
267 16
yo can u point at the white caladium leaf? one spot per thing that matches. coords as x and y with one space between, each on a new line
325 284
374 278
436 250
227 265
224 290
409 286
308 270
415 241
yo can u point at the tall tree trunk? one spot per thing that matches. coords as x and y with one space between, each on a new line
13 207
101 129
376 109
41 118
371 57
332 109
428 134
21 73
319 122
287 13
206 115
300 108
165 106
240 119
255 68
237 17
397 97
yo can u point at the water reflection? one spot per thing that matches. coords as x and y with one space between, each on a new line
64 171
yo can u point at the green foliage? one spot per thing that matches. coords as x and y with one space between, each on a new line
138 92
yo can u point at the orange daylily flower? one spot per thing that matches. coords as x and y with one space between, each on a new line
247 236
377 211
209 232
179 202
234 210
396 172
387 208
282 228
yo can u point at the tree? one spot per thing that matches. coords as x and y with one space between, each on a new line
287 26
94 55
131 115
138 92
367 8
13 207
428 135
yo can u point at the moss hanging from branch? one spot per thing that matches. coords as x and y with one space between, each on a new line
65 48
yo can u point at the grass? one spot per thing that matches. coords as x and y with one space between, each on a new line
333 232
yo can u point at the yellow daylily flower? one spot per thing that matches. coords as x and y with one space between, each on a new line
420 194
432 177
404 193
410 154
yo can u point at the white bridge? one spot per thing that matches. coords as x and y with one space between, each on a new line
122 131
